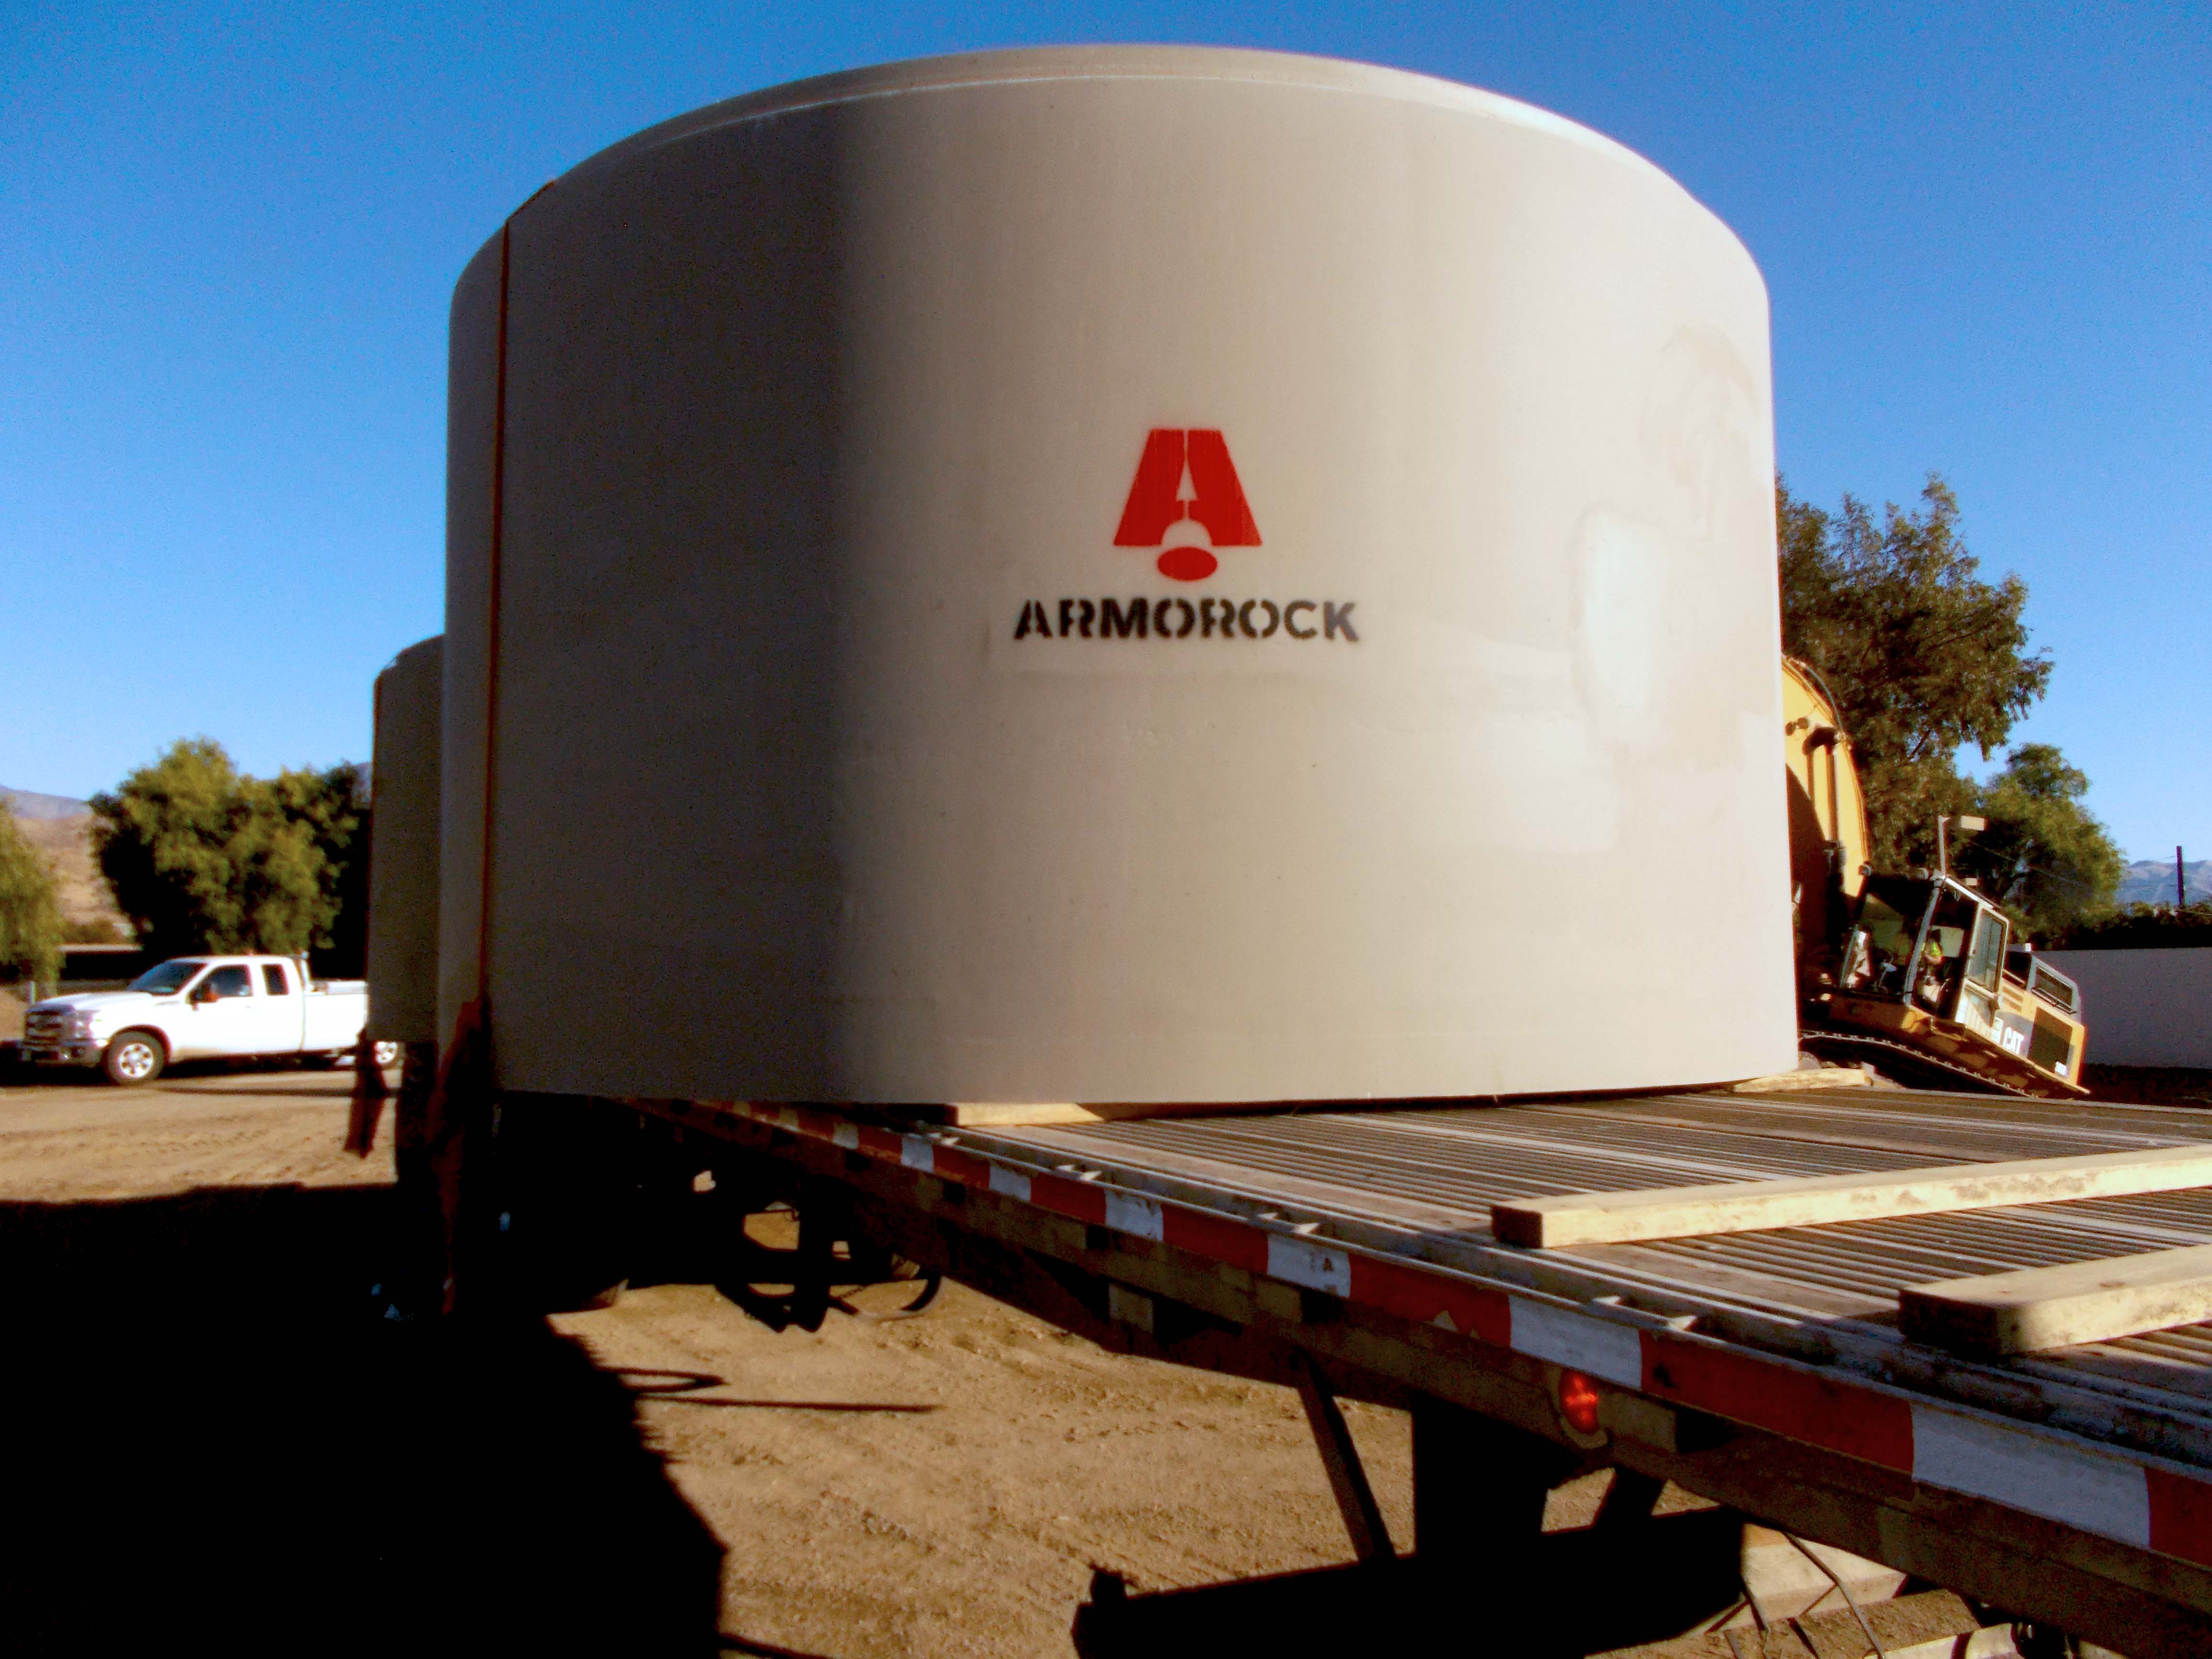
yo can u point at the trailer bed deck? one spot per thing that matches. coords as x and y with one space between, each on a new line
1421 1172
1763 1369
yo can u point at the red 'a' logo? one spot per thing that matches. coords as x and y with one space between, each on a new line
1186 501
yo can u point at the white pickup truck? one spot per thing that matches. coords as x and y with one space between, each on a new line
202 1008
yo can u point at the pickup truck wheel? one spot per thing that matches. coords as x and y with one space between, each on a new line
134 1057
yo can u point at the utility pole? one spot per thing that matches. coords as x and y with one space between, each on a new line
2181 884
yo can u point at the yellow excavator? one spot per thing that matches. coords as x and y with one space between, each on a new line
1917 972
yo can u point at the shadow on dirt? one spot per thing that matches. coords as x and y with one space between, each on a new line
2149 1085
215 1441
1578 1592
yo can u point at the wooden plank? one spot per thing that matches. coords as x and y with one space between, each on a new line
1023 1114
2040 1307
1790 1083
1005 1114
1738 1207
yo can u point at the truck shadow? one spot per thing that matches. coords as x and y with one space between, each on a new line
1575 1592
215 1436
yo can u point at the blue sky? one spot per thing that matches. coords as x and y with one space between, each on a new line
228 235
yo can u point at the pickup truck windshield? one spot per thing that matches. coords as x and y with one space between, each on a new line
169 977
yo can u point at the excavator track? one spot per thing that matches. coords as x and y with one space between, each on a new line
1901 1059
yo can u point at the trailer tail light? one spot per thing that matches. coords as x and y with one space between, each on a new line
1578 1402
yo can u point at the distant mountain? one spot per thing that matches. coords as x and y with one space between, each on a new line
2150 881
29 804
61 828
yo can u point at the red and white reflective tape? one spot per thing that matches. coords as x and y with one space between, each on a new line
2149 1504
1317 1264
1598 1347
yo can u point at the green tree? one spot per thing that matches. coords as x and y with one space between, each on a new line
30 907
201 858
2139 928
332 807
344 952
1923 655
163 840
2042 856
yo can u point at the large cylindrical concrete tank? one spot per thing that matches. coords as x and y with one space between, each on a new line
403 848
1115 574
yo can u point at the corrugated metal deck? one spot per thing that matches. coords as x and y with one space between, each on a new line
1423 1178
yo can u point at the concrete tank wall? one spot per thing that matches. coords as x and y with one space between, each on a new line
833 416
403 874
472 436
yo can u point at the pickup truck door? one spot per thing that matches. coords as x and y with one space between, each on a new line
222 1017
281 1007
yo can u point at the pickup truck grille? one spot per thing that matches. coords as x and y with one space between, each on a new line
43 1031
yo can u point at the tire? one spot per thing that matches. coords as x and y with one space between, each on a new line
387 1055
134 1057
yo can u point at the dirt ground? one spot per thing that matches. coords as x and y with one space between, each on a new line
218 1434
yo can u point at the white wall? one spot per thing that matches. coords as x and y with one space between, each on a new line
2144 1008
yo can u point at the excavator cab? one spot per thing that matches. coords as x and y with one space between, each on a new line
1938 944
1928 966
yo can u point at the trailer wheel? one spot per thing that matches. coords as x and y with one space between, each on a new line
134 1057
387 1054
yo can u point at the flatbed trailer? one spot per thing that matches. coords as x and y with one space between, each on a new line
1349 1252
